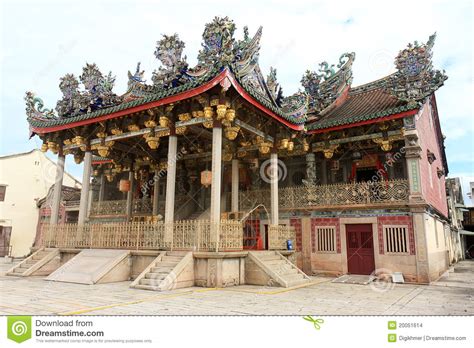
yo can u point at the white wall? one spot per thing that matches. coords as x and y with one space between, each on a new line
28 178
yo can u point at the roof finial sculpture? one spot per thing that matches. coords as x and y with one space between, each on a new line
415 78
324 88
69 105
218 47
169 51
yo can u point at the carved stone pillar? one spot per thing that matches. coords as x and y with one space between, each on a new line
156 191
215 216
86 179
58 184
274 189
235 185
129 206
170 188
413 155
311 168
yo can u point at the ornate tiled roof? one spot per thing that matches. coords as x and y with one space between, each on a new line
362 105
326 96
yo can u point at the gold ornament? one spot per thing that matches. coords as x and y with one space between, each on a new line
101 134
153 142
116 130
184 117
291 146
150 123
164 122
103 150
208 124
44 147
232 132
67 142
133 127
181 130
284 144
230 115
78 140
264 147
208 112
221 111
78 157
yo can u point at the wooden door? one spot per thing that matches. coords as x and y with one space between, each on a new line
5 232
360 249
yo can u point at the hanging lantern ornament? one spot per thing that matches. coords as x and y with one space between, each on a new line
44 147
264 147
230 115
221 110
152 141
103 150
291 146
78 157
284 143
232 132
208 112
206 178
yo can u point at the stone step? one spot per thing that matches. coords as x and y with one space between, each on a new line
171 264
289 271
161 269
269 257
152 275
19 270
151 282
171 258
147 287
274 263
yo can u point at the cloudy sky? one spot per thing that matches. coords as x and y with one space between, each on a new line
43 40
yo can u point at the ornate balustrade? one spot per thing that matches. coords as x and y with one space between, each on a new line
186 235
278 235
364 193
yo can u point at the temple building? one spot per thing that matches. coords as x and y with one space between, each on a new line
211 176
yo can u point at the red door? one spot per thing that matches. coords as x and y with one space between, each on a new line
360 249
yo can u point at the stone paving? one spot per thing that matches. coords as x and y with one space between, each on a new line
453 294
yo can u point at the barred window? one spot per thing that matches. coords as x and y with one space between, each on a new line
396 239
326 239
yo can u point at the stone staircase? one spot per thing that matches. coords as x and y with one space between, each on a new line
33 263
170 270
278 268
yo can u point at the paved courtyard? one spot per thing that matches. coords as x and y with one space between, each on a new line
453 294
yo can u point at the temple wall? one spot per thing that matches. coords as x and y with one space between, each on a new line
433 187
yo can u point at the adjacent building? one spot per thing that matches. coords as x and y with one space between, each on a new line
25 178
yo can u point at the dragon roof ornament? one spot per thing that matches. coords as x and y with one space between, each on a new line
323 88
415 78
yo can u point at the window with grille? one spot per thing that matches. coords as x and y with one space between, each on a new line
396 239
326 239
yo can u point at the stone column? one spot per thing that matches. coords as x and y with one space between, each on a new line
156 191
274 188
306 244
58 184
129 206
324 172
86 180
413 155
170 188
101 188
235 186
311 168
215 215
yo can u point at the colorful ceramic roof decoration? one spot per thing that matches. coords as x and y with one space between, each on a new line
326 99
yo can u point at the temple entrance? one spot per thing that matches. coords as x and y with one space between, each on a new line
5 232
360 249
366 174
